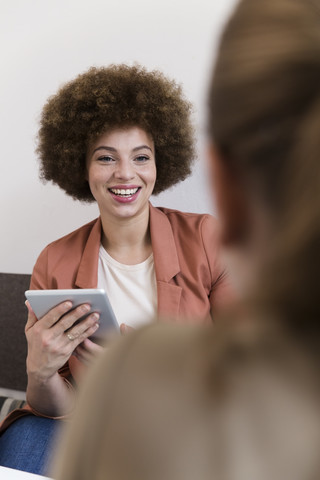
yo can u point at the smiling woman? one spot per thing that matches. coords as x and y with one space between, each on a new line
121 172
114 135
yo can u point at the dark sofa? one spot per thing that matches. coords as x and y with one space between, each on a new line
13 346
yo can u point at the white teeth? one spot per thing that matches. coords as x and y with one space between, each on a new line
127 192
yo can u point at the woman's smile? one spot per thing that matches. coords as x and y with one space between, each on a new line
121 171
124 193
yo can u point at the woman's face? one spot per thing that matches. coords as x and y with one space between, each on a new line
121 172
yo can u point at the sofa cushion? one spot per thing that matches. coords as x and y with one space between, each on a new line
13 316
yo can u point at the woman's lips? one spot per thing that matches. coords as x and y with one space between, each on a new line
124 195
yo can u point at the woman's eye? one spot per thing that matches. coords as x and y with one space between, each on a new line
106 159
142 158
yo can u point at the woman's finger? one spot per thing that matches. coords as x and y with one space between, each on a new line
32 319
67 321
92 347
84 329
88 351
52 317
82 354
124 329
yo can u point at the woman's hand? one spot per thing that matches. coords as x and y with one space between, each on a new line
88 351
53 338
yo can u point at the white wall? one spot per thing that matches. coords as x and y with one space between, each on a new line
47 42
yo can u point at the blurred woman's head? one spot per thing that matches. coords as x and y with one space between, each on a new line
264 123
115 97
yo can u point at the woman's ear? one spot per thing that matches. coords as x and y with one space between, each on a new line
231 199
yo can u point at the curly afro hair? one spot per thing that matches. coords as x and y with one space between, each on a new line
109 97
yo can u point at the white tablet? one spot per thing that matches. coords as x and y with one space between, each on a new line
42 301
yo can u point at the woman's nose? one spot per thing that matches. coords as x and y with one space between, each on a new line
124 170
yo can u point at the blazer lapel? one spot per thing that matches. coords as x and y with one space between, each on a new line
166 262
87 276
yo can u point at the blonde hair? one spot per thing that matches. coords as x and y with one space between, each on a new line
264 117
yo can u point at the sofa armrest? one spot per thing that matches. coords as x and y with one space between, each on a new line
7 404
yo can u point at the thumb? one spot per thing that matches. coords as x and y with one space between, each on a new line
124 329
32 319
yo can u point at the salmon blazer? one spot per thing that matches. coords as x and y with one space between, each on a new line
191 281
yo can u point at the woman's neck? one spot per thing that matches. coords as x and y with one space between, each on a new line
127 240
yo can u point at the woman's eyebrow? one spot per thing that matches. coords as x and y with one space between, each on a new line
141 147
104 147
111 149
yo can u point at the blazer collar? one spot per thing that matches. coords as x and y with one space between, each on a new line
165 255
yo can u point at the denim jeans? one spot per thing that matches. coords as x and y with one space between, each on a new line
28 443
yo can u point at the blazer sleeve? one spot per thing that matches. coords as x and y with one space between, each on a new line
221 293
40 280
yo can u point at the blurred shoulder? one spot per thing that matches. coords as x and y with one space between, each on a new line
188 221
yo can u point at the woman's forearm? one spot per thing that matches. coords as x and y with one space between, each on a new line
53 397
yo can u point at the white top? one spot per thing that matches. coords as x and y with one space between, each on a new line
132 289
